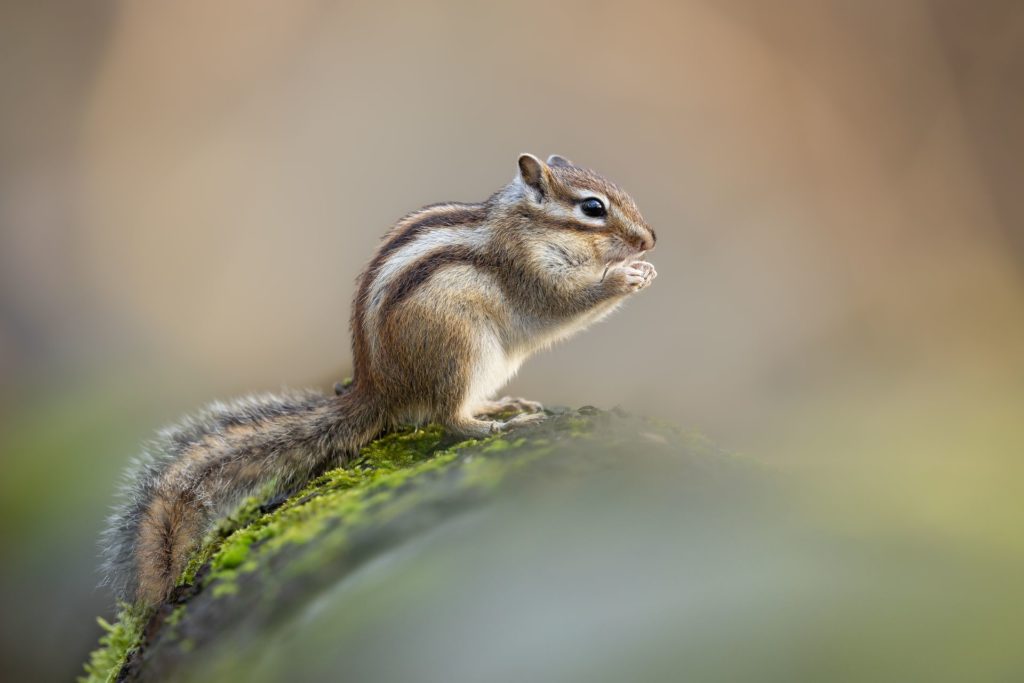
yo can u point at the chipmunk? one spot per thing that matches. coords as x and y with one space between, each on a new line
455 298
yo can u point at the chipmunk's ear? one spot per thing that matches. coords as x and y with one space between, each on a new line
556 160
534 174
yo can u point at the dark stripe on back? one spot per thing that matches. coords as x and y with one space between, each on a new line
464 215
448 215
411 278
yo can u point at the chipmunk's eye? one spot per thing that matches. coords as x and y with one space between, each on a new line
593 207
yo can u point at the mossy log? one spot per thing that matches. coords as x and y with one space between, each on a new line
276 562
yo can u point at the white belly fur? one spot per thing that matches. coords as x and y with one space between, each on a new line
492 369
544 334
495 365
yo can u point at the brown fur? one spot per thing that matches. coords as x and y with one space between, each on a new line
453 300
166 536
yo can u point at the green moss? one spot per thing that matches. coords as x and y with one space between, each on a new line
233 556
348 495
117 641
378 486
175 616
225 588
499 444
248 512
228 546
385 464
577 425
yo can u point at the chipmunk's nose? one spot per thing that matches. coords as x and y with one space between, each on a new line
642 238
649 241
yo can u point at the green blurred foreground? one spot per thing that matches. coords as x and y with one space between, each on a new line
595 546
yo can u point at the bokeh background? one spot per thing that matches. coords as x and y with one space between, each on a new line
188 190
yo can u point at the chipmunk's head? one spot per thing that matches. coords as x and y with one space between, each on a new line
575 208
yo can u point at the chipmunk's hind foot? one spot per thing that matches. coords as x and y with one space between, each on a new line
473 428
506 405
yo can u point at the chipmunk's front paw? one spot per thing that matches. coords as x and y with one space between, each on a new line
633 277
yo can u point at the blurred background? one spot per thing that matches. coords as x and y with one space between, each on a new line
188 190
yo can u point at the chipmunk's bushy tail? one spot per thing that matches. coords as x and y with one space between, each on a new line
199 471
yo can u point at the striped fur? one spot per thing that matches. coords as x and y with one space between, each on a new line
453 301
194 473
